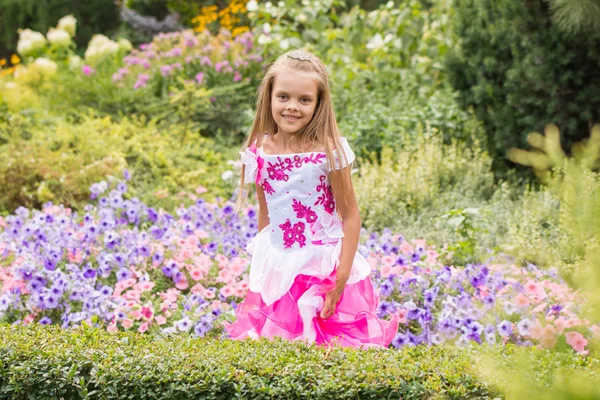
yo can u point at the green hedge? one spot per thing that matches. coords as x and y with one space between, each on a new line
42 362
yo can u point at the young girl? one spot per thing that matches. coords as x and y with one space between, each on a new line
307 281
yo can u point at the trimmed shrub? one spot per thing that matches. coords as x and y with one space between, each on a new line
43 362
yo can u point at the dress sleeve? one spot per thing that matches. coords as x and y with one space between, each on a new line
249 159
339 158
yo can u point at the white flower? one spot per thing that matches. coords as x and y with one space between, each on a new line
30 41
264 39
251 163
58 37
99 48
125 44
252 5
284 44
302 17
281 4
378 41
266 27
75 62
268 5
45 66
67 24
227 175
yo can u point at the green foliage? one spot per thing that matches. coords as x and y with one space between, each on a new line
43 362
57 160
411 189
92 17
575 16
518 71
544 375
385 70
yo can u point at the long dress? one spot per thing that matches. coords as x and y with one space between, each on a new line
294 259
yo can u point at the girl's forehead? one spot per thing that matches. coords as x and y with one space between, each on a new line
296 81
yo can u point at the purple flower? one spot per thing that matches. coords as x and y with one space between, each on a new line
505 328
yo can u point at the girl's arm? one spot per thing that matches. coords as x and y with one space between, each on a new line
348 208
263 211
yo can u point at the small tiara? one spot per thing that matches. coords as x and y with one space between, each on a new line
300 54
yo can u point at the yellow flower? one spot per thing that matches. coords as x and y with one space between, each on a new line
2 62
14 59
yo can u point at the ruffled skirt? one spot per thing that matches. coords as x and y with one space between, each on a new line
287 292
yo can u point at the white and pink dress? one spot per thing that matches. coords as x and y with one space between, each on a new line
294 259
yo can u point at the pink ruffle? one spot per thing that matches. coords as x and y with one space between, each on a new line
296 315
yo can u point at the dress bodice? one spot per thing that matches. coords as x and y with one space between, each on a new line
300 202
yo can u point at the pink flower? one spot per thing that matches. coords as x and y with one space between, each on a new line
237 77
144 286
147 312
197 288
160 320
577 341
208 294
111 328
521 300
143 327
127 323
402 313
87 70
548 341
136 314
406 248
200 77
385 270
196 274
201 189
226 291
537 330
182 284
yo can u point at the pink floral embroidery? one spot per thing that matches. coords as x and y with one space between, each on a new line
267 187
314 158
292 234
305 212
277 170
326 198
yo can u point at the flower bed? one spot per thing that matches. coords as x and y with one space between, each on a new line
126 266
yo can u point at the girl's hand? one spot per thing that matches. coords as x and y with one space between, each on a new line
331 299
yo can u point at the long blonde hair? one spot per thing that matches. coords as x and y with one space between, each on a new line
322 128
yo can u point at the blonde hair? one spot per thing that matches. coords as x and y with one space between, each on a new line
322 128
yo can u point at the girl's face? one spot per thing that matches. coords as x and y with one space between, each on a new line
294 99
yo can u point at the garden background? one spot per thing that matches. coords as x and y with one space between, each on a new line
475 124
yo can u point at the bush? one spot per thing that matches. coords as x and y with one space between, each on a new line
93 16
43 362
414 186
518 71
57 160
